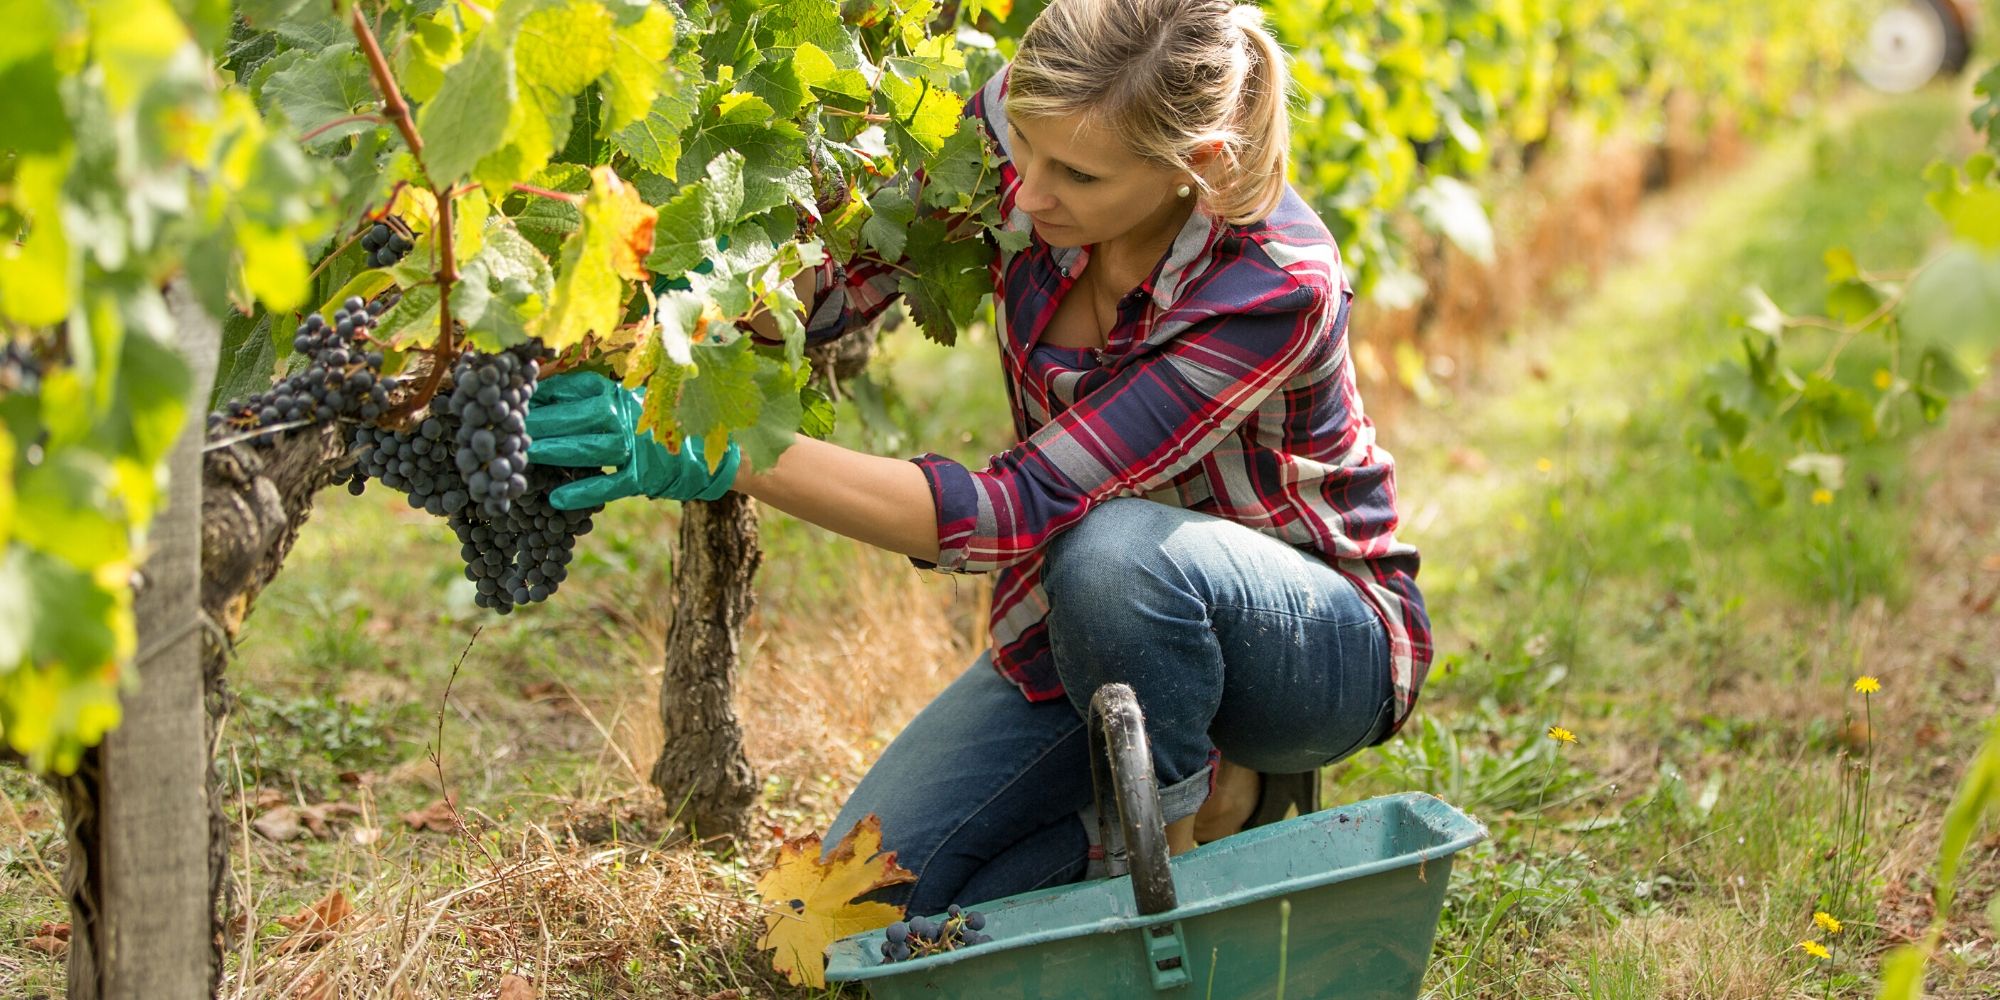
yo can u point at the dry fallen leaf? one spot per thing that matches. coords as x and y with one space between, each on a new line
316 924
317 817
810 903
318 986
280 824
48 945
50 928
513 987
438 817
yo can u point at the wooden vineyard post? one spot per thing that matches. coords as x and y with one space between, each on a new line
137 808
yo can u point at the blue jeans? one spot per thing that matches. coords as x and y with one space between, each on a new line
1233 641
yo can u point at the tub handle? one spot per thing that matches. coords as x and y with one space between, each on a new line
1121 763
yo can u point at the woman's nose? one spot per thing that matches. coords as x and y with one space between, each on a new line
1030 198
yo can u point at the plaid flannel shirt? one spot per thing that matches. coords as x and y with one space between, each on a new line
1225 388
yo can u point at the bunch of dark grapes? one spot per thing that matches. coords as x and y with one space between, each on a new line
921 936
467 462
385 244
415 462
522 555
489 402
342 377
20 370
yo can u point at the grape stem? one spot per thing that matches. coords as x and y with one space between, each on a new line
392 96
398 112
867 116
337 122
574 199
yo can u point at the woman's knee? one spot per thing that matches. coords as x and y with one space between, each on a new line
1120 550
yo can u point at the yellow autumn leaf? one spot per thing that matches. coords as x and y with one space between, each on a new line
810 903
606 251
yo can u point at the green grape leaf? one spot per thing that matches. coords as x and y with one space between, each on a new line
469 117
366 284
558 51
663 360
434 45
773 151
815 22
777 81
274 268
634 79
691 220
315 88
953 178
923 115
60 693
502 290
1852 301
1970 206
817 70
58 509
35 276
1955 302
778 419
547 222
888 225
248 360
411 323
818 415
607 250
291 19
724 394
945 293
655 139
30 79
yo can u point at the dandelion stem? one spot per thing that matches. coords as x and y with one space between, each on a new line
1284 942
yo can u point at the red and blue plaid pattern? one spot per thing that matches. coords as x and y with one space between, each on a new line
1225 388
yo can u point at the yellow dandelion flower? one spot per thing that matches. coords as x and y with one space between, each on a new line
1866 684
1827 922
1815 949
1561 735
1822 496
1883 379
1544 465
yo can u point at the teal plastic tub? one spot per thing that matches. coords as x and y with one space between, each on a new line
1366 883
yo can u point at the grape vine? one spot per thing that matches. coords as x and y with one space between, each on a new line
512 180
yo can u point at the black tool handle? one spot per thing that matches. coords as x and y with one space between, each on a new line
1121 763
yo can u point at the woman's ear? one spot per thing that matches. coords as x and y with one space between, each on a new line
1210 160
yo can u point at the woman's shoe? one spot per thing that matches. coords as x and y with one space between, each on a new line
1279 794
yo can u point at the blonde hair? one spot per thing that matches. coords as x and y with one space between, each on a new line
1170 78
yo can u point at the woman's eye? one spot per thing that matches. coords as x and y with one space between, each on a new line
1080 178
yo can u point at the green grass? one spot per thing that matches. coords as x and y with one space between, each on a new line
1602 577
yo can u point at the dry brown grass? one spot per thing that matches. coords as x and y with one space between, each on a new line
597 896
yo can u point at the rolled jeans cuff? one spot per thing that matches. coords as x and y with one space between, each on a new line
1177 801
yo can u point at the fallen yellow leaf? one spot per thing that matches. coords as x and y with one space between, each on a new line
811 902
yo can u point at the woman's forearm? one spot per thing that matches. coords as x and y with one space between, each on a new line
881 501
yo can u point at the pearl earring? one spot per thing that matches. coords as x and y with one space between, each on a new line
1183 190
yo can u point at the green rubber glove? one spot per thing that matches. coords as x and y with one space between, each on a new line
584 420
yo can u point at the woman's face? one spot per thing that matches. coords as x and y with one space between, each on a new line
1082 186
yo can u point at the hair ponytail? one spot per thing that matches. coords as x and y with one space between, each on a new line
1255 182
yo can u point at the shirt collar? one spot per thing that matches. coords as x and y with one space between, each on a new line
1169 279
